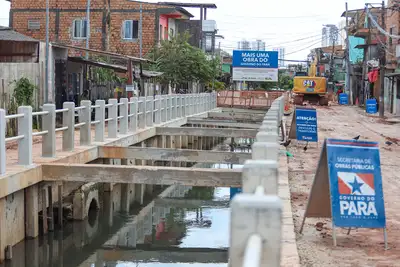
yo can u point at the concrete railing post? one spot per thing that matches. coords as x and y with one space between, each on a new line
69 122
149 111
260 172
178 106
174 107
169 107
191 105
133 106
49 125
2 141
163 108
113 116
205 104
186 106
269 136
183 106
123 113
85 117
196 104
100 116
25 128
142 112
263 220
157 118
265 151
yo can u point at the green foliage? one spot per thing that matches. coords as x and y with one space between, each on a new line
181 63
23 92
217 85
104 75
285 82
22 96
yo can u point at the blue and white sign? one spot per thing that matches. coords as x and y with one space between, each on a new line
255 65
355 184
306 124
255 59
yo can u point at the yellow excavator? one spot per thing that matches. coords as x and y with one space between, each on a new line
309 87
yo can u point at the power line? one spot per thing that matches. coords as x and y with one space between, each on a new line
376 24
294 52
263 37
282 44
293 17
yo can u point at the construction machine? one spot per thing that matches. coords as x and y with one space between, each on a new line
309 87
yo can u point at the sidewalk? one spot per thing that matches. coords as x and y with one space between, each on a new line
363 247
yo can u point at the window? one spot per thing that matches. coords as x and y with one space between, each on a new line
161 33
130 29
165 33
171 33
79 29
33 25
390 38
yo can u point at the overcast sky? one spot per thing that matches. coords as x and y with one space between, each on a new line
278 23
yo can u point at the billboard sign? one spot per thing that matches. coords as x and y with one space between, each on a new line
255 65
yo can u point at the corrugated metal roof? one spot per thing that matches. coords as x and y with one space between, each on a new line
7 34
115 67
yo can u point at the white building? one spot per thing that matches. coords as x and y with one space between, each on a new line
342 33
281 55
244 45
329 34
258 45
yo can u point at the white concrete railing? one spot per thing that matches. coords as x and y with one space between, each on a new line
256 214
135 113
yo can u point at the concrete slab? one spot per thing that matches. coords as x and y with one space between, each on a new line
190 203
224 123
237 116
142 175
170 154
214 132
20 177
166 256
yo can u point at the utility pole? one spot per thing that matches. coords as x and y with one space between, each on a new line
382 69
141 32
87 27
348 67
333 31
46 67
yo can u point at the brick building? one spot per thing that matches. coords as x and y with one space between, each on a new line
114 25
392 81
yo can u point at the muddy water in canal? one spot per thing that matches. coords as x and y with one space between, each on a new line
188 228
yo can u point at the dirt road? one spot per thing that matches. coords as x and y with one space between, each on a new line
363 247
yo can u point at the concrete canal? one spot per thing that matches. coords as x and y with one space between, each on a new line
176 226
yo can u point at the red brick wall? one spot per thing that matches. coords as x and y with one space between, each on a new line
116 43
392 20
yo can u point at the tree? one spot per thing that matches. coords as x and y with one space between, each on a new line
285 82
181 63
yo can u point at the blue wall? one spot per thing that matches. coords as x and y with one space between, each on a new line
355 53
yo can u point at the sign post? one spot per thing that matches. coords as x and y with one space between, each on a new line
256 66
348 186
304 125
